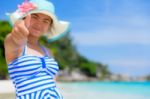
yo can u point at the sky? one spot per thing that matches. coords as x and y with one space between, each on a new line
113 32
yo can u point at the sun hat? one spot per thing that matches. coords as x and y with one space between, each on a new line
58 28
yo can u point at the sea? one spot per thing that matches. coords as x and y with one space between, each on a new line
106 90
100 90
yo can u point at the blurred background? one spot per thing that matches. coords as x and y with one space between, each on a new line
106 54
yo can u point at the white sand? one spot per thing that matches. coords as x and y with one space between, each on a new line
6 86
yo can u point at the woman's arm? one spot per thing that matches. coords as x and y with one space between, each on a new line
15 40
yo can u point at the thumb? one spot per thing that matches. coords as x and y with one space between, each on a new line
27 20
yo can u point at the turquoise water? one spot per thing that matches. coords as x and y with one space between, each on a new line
105 90
100 90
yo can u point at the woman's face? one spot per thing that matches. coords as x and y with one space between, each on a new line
39 24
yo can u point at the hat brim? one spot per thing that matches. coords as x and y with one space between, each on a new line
58 29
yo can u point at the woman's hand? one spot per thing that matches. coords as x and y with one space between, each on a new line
20 31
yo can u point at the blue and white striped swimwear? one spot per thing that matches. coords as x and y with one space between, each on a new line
33 76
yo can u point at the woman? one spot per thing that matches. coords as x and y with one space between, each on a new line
30 65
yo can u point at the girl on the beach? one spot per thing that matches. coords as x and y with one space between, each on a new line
31 66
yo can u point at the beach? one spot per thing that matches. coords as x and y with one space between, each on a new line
6 90
88 90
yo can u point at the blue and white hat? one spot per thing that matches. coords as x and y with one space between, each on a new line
58 29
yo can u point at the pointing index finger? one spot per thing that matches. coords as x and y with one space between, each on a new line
27 20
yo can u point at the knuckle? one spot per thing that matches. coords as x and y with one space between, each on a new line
19 26
15 31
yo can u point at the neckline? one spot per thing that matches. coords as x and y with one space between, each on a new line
29 56
25 54
41 47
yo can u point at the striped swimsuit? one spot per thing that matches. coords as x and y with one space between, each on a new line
33 76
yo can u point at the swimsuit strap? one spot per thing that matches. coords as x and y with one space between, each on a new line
24 50
45 51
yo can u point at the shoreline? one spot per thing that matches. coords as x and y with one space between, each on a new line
103 89
6 86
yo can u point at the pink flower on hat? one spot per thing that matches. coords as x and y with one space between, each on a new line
25 7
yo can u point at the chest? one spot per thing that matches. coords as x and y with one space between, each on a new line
29 65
